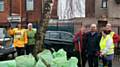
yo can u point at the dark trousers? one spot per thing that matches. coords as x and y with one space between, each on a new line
82 59
29 49
20 51
106 62
93 60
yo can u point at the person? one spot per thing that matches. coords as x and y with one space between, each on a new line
93 47
112 34
9 30
106 48
20 38
80 37
31 39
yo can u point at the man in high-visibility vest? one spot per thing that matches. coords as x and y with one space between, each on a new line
31 38
20 39
112 34
107 49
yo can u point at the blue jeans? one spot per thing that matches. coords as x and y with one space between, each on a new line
107 60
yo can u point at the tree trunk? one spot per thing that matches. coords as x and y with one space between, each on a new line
39 47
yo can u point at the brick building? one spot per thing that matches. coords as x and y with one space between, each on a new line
96 12
19 10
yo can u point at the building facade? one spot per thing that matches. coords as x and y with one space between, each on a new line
13 11
96 12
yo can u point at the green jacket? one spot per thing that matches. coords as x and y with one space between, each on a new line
31 36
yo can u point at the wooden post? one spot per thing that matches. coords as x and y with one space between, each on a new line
21 11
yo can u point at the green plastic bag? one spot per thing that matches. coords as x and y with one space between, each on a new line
46 55
60 53
73 62
60 59
70 63
59 62
40 64
9 63
25 61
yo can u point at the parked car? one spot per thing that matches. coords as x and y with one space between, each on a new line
6 44
59 40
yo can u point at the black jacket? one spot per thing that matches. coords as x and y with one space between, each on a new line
92 43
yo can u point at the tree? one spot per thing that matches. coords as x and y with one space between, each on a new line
43 24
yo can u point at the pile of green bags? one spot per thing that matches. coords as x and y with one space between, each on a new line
57 59
45 59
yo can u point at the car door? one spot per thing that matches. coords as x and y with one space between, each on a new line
67 41
52 40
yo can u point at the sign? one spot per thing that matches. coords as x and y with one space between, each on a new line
14 19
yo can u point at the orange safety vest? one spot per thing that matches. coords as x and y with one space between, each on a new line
20 37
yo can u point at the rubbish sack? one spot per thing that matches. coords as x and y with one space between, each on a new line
9 63
40 64
60 59
47 56
62 64
25 61
59 62
72 62
60 53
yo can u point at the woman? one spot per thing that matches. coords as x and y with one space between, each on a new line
106 48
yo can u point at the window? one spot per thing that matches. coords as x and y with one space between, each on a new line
29 5
104 3
66 36
54 35
1 5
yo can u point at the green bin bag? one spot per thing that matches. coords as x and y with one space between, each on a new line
40 64
47 56
25 61
60 53
9 63
73 62
60 59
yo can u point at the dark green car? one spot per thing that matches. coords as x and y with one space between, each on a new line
59 40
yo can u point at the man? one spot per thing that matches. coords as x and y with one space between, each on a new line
20 39
106 48
112 34
80 46
93 46
31 39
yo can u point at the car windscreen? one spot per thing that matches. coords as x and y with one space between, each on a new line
52 35
66 36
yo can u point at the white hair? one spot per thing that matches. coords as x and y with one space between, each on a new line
30 24
108 24
93 25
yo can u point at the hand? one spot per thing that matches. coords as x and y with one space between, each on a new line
97 53
101 54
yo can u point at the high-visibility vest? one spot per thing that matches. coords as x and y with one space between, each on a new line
20 37
103 45
112 34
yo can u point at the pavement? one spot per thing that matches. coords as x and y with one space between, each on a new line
116 63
